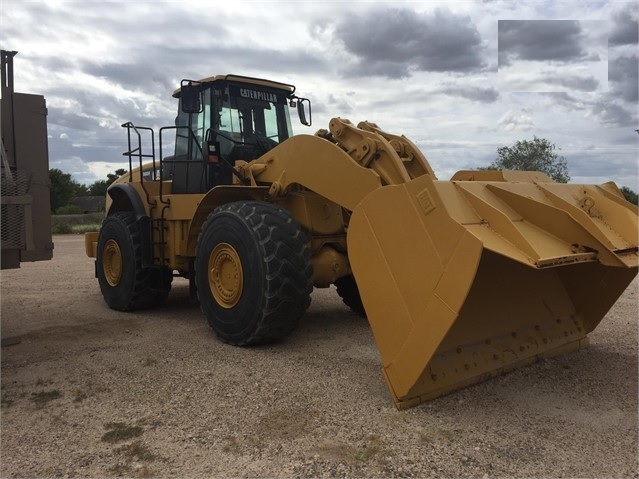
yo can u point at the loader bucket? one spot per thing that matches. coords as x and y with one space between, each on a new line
464 280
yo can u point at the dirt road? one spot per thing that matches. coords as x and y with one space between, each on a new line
90 392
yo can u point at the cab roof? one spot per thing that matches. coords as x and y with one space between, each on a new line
289 89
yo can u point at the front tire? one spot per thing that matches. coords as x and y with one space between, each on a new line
253 272
125 285
348 291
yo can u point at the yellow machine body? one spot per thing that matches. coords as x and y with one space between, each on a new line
460 280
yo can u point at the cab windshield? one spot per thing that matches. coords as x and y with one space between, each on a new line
235 114
244 113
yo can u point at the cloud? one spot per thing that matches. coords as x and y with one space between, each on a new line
623 73
540 40
565 100
482 95
516 120
553 55
625 27
548 81
615 107
571 82
395 42
612 113
605 109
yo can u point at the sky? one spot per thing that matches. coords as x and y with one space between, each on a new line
459 78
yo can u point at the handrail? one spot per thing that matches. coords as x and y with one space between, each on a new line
138 152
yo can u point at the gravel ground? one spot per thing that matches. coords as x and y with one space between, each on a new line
90 392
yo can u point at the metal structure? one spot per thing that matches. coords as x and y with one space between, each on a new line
460 280
25 234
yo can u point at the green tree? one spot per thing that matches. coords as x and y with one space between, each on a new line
537 154
63 188
82 190
99 187
630 195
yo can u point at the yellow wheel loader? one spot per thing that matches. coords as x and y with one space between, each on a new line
460 280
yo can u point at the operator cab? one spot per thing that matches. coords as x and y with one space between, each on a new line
224 119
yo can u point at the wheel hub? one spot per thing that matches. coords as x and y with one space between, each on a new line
225 275
112 262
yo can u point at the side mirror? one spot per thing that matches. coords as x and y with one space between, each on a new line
190 98
302 105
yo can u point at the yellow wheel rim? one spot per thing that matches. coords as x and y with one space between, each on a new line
112 262
226 279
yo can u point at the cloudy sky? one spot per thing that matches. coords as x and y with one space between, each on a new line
460 78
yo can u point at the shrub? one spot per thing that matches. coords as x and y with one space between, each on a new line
69 210
81 229
61 229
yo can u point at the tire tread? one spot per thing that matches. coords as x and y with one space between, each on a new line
286 254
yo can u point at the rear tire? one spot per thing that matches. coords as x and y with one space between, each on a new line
252 272
348 291
125 285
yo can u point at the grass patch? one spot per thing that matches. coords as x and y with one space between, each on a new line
76 224
79 396
448 435
85 219
436 434
148 362
132 454
6 401
146 472
119 431
235 444
367 450
125 470
61 229
354 453
69 210
232 444
67 229
81 229
136 451
364 453
121 470
43 397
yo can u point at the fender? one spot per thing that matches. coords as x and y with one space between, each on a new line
126 198
218 196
